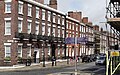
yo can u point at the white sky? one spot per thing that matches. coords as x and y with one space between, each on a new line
93 9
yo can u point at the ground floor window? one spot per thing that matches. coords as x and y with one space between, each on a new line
49 50
19 50
29 51
7 51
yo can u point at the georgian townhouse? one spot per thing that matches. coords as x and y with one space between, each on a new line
29 29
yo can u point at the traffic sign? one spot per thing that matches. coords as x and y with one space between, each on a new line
115 53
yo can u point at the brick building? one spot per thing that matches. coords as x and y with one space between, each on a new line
29 29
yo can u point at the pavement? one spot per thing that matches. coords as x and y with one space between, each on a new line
48 64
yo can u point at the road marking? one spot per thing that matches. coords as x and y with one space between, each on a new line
98 70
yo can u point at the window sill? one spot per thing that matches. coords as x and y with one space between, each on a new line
20 13
37 18
7 61
7 12
7 34
29 15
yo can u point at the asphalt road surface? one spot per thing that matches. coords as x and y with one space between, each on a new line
86 67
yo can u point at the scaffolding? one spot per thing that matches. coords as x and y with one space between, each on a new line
113 20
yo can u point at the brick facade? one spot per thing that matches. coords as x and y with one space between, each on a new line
52 26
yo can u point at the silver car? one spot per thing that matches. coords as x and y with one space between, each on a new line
101 60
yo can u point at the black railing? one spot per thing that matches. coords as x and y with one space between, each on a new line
38 37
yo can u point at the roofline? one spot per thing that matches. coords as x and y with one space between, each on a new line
72 19
44 6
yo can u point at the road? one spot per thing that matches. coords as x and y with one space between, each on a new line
85 67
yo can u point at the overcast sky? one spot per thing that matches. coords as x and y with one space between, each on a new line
94 9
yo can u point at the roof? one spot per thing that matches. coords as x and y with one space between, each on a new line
115 23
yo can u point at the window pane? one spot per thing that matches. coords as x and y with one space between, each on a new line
37 29
29 27
19 26
8 27
20 8
8 7
37 12
43 14
7 51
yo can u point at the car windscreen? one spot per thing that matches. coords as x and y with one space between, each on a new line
101 58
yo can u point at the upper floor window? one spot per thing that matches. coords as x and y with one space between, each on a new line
37 12
7 6
19 26
58 20
49 16
43 28
37 28
29 10
58 32
63 33
63 21
43 14
53 32
70 25
67 25
54 18
49 29
20 7
29 27
7 26
76 27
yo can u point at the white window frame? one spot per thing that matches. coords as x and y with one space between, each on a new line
7 19
29 12
49 16
63 33
59 20
8 1
37 12
63 21
20 4
54 18
29 46
5 45
37 28
43 28
20 19
49 30
29 21
53 31
20 45
58 32
43 14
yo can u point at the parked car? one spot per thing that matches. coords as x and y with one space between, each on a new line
101 60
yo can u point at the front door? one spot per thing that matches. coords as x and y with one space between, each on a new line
36 55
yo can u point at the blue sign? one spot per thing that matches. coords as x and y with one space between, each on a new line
82 39
69 40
